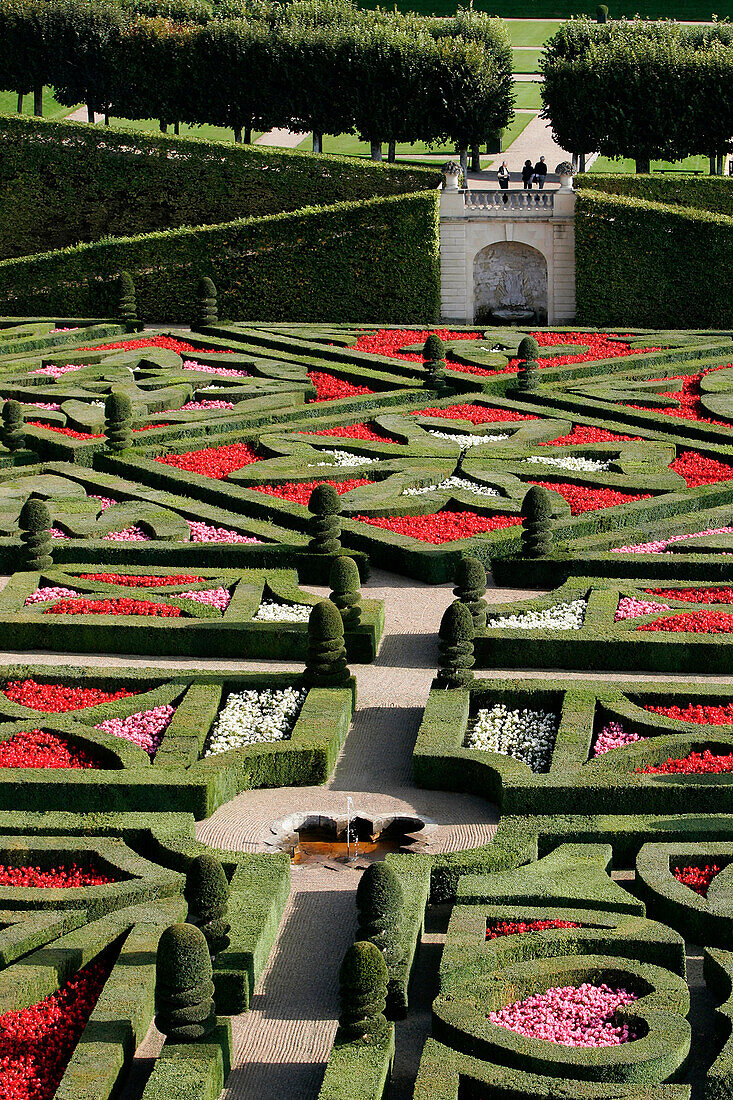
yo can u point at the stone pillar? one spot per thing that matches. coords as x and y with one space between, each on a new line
562 287
454 298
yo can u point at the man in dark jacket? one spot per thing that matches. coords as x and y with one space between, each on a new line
527 175
540 171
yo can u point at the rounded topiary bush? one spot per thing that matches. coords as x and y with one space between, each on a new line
206 307
538 522
324 525
433 350
36 542
12 434
363 984
126 302
346 590
184 990
207 894
325 662
528 348
528 375
455 646
379 902
470 581
118 420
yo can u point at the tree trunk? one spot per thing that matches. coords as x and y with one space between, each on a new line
376 150
721 164
163 126
38 100
643 166
713 165
248 135
463 157
20 103
475 158
317 142
392 152
90 113
177 128
581 162
238 135
106 117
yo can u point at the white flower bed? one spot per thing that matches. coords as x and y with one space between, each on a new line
452 483
463 439
253 717
571 462
563 616
344 458
271 612
527 735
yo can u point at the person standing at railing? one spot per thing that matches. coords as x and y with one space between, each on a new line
503 176
540 171
527 175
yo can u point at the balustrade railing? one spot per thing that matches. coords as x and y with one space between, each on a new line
531 203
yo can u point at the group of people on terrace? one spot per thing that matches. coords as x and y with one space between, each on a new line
531 174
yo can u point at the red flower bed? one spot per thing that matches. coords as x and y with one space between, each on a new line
41 749
720 715
299 491
355 431
330 388
388 341
693 622
57 698
694 595
696 469
36 1043
697 878
697 763
583 433
477 414
690 406
121 606
213 461
583 498
442 526
129 581
497 928
64 431
169 342
58 878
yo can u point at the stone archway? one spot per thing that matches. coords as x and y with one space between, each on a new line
509 274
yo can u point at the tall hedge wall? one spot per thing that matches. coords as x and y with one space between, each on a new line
359 261
694 10
648 264
711 193
63 183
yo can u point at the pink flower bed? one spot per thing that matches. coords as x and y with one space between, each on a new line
146 728
219 598
49 593
206 532
129 534
191 406
613 736
575 1016
51 406
53 371
629 608
658 546
225 372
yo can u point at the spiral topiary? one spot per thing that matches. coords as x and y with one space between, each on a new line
206 311
184 990
126 302
12 435
35 536
346 590
433 350
324 526
470 580
118 421
537 522
207 894
528 348
363 985
379 902
325 662
455 646
528 370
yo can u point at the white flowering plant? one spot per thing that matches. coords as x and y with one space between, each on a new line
571 462
466 439
462 483
344 458
562 616
526 735
254 717
270 611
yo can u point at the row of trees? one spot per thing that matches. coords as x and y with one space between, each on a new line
308 66
641 90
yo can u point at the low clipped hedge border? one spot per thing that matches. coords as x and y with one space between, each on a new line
193 1071
707 920
359 1070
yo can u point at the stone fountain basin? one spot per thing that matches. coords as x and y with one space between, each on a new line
413 830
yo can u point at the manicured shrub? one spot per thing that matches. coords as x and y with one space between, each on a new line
528 348
363 982
433 350
118 421
470 580
207 894
12 435
456 646
324 526
537 522
346 591
206 307
528 370
126 302
325 663
379 902
184 990
35 536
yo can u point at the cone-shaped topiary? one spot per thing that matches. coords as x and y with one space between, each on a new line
35 536
126 303
436 377
433 350
325 662
206 311
456 646
184 990
346 590
12 435
470 589
602 13
118 421
207 894
379 901
324 525
537 522
528 375
528 348
363 982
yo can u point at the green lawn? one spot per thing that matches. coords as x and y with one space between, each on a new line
627 167
51 109
527 94
151 126
526 61
532 32
348 145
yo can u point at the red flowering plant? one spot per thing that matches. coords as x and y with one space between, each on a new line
120 606
495 929
41 749
216 462
59 698
696 877
62 877
687 401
